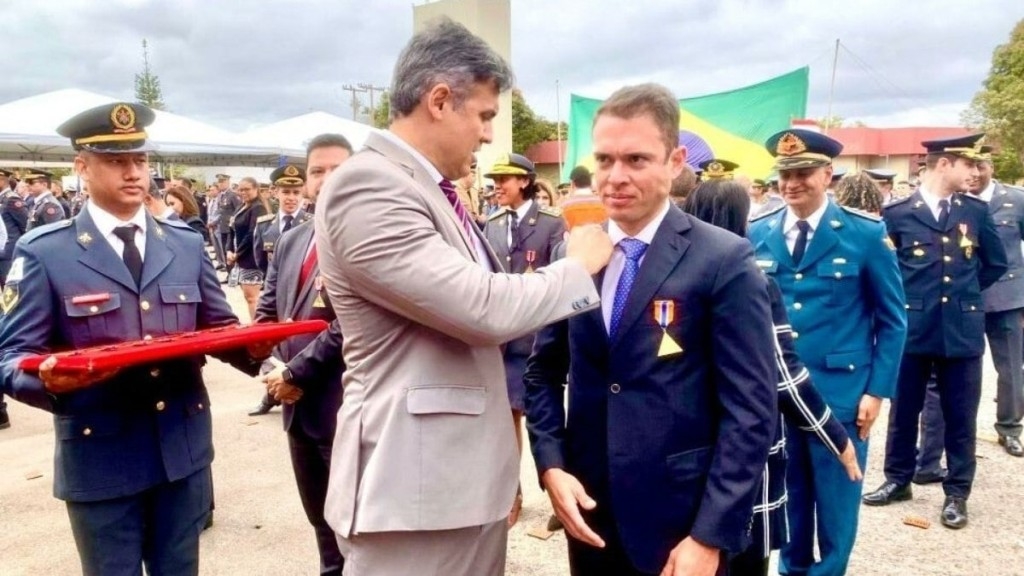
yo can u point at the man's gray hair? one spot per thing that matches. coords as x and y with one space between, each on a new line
445 52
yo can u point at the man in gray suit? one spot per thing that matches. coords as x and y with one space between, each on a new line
424 466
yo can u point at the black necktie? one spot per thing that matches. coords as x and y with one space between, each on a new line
131 256
943 213
288 220
801 241
513 226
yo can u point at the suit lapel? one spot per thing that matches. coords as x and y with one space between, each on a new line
660 259
431 190
303 292
158 253
99 255
499 237
775 239
528 225
824 239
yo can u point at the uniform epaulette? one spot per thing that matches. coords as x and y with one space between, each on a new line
266 218
35 233
896 202
499 213
973 198
550 211
861 213
775 210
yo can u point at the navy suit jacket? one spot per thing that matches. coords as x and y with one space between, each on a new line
1007 210
944 272
148 424
673 446
314 360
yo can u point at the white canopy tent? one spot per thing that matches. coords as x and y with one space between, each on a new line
295 133
28 133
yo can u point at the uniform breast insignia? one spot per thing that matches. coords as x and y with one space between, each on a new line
318 285
664 315
918 252
765 264
268 246
965 242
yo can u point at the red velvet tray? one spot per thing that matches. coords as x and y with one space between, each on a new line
154 350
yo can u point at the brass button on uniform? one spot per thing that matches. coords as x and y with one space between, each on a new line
144 305
200 406
839 275
615 388
973 308
947 279
155 372
945 239
947 258
852 367
797 306
94 309
796 335
147 337
160 406
181 297
945 299
87 432
799 276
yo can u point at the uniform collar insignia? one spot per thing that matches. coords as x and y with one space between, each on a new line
835 223
84 238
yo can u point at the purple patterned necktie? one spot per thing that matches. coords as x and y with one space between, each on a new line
460 211
634 250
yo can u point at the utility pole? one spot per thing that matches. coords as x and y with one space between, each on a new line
367 87
355 99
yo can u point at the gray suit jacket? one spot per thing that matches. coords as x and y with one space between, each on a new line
1007 210
424 438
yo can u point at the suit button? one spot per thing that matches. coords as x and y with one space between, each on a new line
947 258
945 299
797 306
796 335
160 406
945 239
852 367
155 372
87 432
144 305
973 308
799 276
947 279
615 388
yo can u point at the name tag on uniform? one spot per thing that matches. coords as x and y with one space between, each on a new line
90 298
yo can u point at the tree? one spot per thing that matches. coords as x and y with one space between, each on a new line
998 108
830 122
381 117
527 127
147 84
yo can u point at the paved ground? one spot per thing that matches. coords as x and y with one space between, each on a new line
260 528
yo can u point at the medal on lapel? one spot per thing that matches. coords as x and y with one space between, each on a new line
531 256
965 242
318 285
664 314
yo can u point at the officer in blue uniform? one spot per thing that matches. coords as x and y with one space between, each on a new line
949 252
133 446
841 285
14 214
45 208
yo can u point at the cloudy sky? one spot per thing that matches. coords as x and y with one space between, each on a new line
239 65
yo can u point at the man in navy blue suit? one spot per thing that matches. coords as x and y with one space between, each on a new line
671 393
133 447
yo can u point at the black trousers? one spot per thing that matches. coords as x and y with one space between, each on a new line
958 381
311 462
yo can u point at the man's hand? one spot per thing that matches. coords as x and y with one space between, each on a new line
279 389
691 558
59 383
230 257
866 414
591 246
849 461
567 495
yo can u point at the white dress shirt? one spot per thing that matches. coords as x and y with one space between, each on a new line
932 201
791 231
618 262
520 215
435 175
106 222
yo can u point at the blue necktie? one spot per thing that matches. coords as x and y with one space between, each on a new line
634 250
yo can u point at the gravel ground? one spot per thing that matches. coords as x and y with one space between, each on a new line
260 528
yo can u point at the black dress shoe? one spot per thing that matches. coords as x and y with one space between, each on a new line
923 477
5 421
954 512
263 408
1010 443
888 493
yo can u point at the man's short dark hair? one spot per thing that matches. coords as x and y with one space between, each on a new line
328 141
580 177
